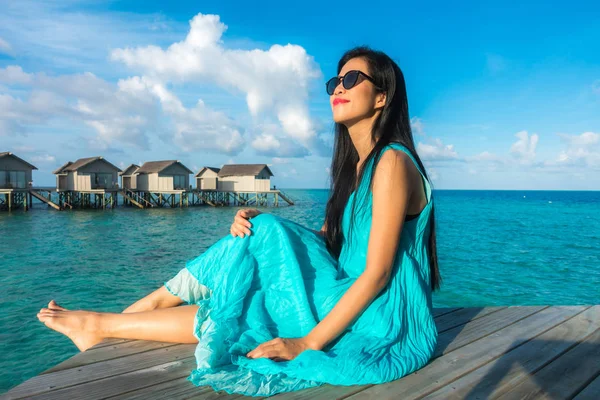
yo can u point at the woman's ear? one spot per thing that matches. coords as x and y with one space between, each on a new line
380 100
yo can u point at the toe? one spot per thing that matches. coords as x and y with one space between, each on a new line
55 306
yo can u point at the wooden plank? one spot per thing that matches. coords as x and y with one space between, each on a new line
565 376
591 391
325 392
94 355
124 368
179 388
465 334
104 369
460 317
471 334
131 199
504 372
444 310
110 342
122 383
443 370
182 388
43 199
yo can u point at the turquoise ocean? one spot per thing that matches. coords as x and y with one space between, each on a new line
495 248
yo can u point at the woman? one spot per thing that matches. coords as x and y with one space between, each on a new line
275 306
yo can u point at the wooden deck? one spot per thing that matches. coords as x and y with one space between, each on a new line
483 353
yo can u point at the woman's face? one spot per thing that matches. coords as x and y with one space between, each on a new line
359 102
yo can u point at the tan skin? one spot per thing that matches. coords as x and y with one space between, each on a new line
160 316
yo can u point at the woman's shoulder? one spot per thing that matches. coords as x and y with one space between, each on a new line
393 156
397 165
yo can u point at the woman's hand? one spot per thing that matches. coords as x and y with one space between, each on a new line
241 224
281 349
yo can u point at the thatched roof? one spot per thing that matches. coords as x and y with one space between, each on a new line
130 170
213 169
151 167
82 162
9 154
243 170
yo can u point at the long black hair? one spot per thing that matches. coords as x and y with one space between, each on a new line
392 125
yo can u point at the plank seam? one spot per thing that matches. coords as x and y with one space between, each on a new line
49 390
584 386
535 371
503 327
448 312
108 359
154 384
101 344
103 378
495 358
473 319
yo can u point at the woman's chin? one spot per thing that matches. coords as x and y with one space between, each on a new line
340 119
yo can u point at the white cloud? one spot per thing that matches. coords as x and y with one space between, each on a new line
581 150
193 128
485 156
417 126
432 172
44 158
583 140
274 81
279 160
65 35
13 74
265 142
5 47
436 151
523 150
270 140
112 112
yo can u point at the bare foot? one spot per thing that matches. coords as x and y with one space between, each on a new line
80 326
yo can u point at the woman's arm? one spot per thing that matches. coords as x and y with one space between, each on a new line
392 190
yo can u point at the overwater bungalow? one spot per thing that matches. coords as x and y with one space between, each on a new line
156 184
162 176
245 178
128 177
15 173
87 174
237 184
207 178
15 181
88 182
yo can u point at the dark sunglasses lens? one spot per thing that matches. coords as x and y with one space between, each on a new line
331 85
350 79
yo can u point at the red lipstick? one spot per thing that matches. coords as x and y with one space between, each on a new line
338 101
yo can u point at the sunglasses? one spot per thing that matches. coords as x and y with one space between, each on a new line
349 80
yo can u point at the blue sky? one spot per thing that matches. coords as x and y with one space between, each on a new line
500 96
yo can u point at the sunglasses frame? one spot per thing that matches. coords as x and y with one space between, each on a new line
337 80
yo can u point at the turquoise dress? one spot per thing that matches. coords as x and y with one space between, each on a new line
281 281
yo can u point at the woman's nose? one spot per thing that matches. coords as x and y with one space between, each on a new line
339 88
